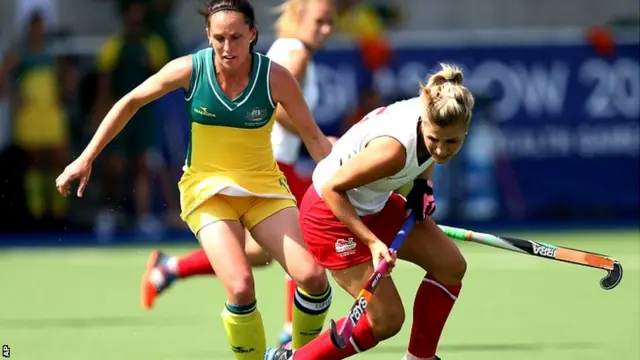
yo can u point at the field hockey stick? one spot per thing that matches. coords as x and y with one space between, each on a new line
547 251
341 337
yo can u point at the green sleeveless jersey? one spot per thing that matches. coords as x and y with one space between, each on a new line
208 105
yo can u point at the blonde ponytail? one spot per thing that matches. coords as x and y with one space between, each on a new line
287 23
446 101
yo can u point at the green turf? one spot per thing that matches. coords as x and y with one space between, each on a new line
83 304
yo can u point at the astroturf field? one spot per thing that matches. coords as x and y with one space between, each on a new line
84 304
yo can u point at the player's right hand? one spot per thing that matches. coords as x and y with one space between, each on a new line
380 251
79 169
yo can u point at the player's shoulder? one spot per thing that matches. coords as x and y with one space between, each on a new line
202 52
397 119
281 45
283 49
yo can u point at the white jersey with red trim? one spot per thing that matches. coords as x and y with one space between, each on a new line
286 145
399 121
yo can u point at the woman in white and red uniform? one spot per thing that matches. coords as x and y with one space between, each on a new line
351 214
303 27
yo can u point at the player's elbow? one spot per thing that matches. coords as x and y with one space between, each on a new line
331 189
327 190
129 105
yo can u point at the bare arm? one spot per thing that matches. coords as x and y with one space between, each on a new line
381 158
172 76
287 93
296 62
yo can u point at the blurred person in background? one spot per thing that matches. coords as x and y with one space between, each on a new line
124 62
369 100
363 23
302 28
40 127
48 10
159 22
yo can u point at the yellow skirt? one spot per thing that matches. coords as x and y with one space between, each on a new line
248 198
39 128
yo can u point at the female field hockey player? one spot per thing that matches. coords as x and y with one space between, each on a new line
231 180
350 216
303 27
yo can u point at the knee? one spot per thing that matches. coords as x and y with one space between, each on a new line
241 290
452 273
313 279
461 268
457 269
387 321
259 258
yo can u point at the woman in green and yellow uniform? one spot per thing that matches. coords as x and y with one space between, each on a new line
231 180
40 123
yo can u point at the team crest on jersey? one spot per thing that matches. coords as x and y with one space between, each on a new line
257 114
345 247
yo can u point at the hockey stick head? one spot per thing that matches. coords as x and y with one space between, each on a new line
613 278
337 339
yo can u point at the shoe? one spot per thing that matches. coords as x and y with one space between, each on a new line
278 354
156 278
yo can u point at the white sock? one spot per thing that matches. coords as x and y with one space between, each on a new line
287 328
172 265
157 278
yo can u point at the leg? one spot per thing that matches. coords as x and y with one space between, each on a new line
351 266
298 188
141 179
196 262
289 297
222 238
34 183
106 220
274 225
143 139
222 241
163 270
431 249
59 156
384 317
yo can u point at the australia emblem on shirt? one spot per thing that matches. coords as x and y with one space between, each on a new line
257 115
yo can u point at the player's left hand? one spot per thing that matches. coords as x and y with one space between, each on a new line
79 169
420 199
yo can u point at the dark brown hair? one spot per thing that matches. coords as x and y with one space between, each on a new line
242 6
